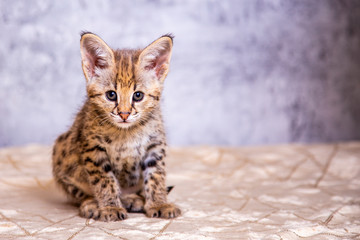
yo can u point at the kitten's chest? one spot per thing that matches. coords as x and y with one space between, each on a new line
127 148
126 157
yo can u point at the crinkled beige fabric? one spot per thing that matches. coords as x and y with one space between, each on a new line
275 192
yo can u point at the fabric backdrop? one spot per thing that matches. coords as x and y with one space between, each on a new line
242 72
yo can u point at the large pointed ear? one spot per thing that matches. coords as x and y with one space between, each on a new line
96 55
155 58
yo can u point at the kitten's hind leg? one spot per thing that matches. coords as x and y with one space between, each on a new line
89 208
133 203
74 193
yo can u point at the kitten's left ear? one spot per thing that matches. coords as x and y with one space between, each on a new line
97 57
155 58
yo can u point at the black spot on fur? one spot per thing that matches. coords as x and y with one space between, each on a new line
143 167
79 136
74 191
151 163
93 172
63 137
70 169
157 157
125 168
162 151
107 139
107 168
95 148
88 160
63 153
96 181
98 112
133 168
98 138
151 146
71 151
154 179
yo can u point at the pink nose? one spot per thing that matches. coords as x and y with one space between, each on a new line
124 115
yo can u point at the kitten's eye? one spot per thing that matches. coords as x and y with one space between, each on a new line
111 95
138 96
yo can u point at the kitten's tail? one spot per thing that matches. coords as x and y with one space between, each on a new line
169 188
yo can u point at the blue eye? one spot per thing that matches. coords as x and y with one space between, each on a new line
138 96
111 95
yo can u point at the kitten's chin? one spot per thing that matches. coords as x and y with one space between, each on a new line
124 125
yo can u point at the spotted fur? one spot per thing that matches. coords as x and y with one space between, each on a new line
112 159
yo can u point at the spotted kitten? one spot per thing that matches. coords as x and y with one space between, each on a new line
112 159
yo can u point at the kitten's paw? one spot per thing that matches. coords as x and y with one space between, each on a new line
112 214
90 209
133 203
166 210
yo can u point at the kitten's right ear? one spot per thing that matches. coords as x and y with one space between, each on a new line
96 55
155 58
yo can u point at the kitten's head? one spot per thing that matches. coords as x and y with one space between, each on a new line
125 85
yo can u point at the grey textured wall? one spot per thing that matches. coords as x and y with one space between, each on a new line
243 72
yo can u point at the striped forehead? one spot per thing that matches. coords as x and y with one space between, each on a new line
125 69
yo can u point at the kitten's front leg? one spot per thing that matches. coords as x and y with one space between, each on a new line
105 205
153 167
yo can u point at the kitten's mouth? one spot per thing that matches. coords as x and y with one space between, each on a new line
123 123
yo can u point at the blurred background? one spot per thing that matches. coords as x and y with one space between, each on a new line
243 72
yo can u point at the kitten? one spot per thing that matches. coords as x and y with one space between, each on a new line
112 158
